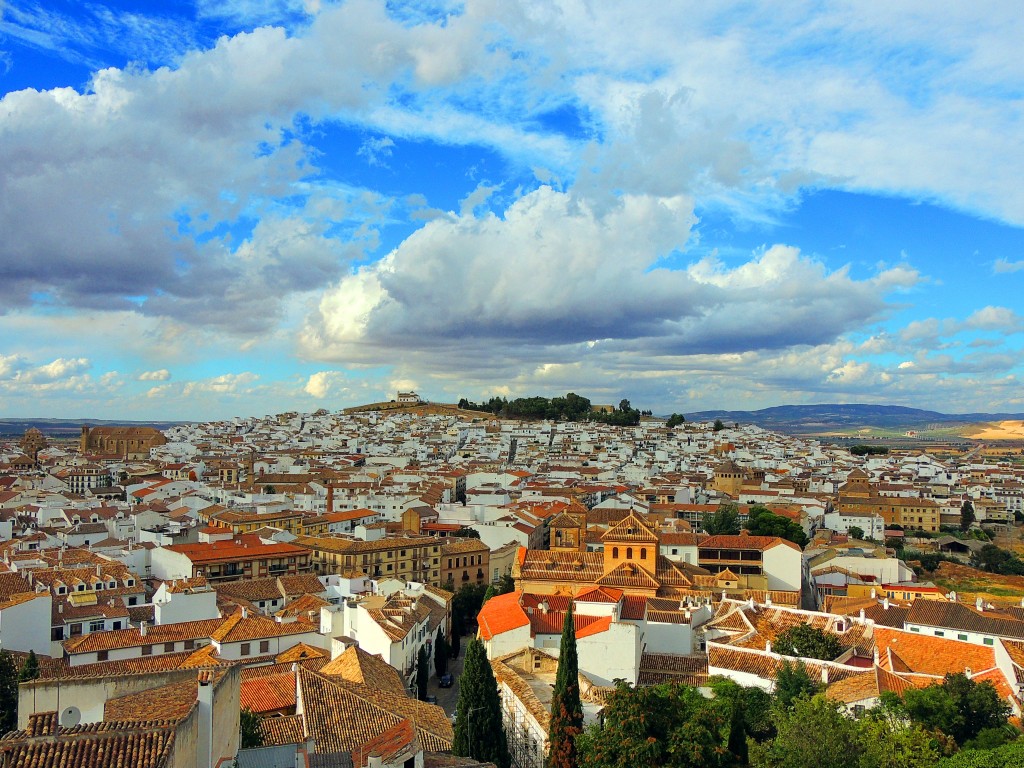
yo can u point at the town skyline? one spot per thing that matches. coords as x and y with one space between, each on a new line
217 209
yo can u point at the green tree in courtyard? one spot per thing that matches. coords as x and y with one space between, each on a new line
249 727
660 725
479 732
566 707
30 669
793 682
807 642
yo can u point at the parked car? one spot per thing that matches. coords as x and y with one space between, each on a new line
446 681
431 699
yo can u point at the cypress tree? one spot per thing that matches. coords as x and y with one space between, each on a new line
8 693
489 593
30 669
566 707
422 672
441 652
479 732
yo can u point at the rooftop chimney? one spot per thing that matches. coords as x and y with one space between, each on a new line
885 603
142 628
204 737
979 604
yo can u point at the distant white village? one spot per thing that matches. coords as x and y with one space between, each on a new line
299 567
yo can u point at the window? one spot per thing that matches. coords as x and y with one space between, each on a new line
615 551
132 600
245 649
190 644
961 637
57 633
629 553
264 646
915 629
989 641
643 554
939 633
147 650
168 647
102 655
76 629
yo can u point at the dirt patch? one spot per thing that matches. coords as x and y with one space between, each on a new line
999 430
970 583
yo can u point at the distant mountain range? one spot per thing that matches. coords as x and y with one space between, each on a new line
71 427
820 418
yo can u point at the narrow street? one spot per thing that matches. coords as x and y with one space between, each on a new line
447 697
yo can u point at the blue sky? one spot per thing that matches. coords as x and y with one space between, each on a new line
230 207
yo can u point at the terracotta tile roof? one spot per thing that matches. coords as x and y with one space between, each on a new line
115 744
282 730
656 668
239 628
937 613
766 665
300 652
574 567
630 576
900 651
268 693
600 595
251 548
167 702
340 716
634 607
357 666
500 614
631 528
133 637
744 541
388 745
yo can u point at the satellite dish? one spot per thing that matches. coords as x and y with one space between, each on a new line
70 717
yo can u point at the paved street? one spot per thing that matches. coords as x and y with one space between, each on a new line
447 697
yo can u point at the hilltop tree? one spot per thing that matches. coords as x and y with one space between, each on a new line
719 426
724 520
966 515
566 707
675 420
479 732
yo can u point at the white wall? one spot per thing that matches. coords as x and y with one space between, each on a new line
782 566
26 626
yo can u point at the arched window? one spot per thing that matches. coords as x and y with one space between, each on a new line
615 552
643 554
629 553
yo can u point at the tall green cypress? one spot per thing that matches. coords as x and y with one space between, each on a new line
479 732
441 653
422 672
566 707
8 693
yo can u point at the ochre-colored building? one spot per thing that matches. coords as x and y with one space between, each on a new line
127 442
858 496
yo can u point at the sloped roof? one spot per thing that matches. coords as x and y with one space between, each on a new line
502 613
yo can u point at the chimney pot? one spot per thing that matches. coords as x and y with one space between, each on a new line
142 628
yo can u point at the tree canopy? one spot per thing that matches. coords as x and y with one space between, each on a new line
763 522
675 420
660 725
724 520
792 682
807 642
958 707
